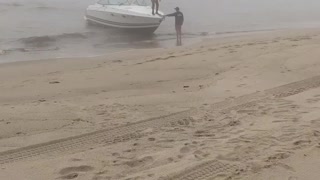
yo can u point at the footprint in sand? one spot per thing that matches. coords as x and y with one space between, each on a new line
242 85
54 82
70 176
101 177
75 159
232 51
315 99
82 168
315 122
117 61
183 122
203 133
234 123
200 154
292 178
301 142
116 154
278 156
140 162
185 150
73 172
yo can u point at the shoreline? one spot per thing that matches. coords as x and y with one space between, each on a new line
190 41
194 41
247 98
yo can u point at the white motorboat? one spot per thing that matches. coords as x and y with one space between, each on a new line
132 15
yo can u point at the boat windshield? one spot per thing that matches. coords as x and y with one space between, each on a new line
141 2
124 2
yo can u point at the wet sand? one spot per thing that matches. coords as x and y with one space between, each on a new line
242 107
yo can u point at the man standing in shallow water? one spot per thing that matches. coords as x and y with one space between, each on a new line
155 5
179 18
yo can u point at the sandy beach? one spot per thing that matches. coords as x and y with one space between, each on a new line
242 107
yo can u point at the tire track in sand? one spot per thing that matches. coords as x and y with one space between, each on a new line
214 168
136 130
91 140
206 170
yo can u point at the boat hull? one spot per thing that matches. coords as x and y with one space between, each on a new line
130 19
128 29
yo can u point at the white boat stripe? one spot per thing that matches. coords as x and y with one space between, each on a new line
122 24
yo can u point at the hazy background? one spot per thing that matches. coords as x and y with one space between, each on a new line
37 29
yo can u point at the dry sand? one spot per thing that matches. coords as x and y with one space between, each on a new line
245 107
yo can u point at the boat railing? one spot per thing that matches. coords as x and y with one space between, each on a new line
123 2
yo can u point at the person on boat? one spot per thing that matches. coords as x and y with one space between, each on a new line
155 6
179 19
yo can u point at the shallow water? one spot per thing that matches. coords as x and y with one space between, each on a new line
38 29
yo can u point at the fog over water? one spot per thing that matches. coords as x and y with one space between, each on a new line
41 29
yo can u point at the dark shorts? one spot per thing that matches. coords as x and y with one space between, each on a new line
178 27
